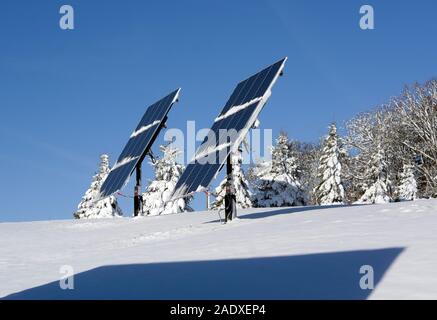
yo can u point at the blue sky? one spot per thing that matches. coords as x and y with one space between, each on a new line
68 96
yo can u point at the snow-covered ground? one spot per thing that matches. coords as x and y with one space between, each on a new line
284 253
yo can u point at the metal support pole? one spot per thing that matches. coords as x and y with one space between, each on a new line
230 199
208 200
137 193
229 168
138 198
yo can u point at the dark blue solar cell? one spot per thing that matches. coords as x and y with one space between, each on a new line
273 72
236 121
254 91
138 145
147 115
141 141
233 96
245 90
241 98
199 174
196 177
113 179
154 116
118 178
210 171
251 86
207 174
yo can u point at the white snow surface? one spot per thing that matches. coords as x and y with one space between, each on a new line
237 108
123 161
210 150
144 128
297 243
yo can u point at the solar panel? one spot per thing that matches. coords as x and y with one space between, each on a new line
228 131
138 145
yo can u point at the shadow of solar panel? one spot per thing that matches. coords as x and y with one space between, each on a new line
138 145
228 130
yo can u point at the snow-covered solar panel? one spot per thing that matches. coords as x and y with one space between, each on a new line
139 144
228 131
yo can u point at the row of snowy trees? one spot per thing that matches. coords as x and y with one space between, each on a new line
394 147
297 174
155 198
329 173
389 154
392 150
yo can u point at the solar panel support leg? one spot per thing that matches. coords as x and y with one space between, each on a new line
230 198
138 205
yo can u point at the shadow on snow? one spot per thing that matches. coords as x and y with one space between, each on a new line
287 210
312 276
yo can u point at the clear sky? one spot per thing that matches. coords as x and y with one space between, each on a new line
66 96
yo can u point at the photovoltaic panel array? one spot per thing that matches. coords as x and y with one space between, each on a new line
138 145
228 131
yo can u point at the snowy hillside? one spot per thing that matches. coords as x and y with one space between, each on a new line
285 253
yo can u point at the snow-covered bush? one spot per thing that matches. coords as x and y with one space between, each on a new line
157 195
330 189
90 206
276 182
240 185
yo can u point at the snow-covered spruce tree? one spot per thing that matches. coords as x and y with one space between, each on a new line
89 208
240 184
330 189
407 189
276 182
378 189
307 159
157 195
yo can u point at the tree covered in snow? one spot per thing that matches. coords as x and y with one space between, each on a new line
307 160
157 195
407 189
239 183
406 129
415 132
330 189
375 161
89 207
276 182
378 187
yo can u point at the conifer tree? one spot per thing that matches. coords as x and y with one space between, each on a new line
157 195
378 189
330 189
276 182
90 206
408 186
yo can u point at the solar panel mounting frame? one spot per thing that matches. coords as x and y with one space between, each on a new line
137 160
179 192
